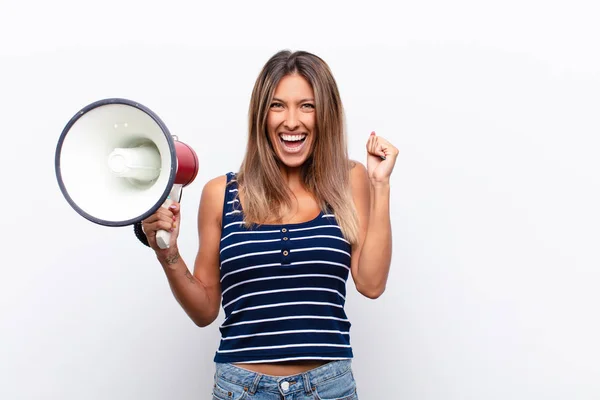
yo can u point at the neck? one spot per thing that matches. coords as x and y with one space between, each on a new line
292 176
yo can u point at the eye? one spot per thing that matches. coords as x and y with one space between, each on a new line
308 105
276 105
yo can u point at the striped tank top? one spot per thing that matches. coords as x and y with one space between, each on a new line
283 288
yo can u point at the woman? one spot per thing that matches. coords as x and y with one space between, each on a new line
279 238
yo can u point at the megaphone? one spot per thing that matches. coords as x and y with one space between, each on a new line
116 163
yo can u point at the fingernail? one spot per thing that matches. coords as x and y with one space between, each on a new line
172 207
382 157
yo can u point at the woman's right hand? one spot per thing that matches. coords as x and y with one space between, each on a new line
166 219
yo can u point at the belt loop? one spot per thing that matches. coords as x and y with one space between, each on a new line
254 387
307 385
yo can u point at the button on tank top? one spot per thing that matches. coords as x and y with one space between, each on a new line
283 288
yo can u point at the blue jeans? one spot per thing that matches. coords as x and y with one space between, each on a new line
332 381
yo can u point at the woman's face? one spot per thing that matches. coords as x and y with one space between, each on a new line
291 121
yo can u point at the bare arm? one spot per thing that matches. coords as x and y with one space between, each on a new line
372 255
199 294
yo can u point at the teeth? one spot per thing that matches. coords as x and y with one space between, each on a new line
292 138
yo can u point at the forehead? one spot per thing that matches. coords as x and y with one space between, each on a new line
292 86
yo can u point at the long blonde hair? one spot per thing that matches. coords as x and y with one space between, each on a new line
325 174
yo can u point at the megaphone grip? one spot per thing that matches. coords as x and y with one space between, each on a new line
163 238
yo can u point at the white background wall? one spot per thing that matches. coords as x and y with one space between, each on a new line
494 106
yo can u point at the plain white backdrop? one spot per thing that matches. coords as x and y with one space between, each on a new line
493 105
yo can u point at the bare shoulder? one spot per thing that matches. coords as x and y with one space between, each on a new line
216 187
213 195
358 174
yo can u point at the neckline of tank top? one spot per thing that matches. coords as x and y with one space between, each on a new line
293 224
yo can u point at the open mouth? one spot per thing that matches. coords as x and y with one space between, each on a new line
292 143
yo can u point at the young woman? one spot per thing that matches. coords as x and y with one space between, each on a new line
279 238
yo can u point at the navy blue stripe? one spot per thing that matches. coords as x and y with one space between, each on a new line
283 288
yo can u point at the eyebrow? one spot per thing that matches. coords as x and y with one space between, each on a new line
301 101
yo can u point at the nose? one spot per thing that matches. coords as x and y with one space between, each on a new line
291 120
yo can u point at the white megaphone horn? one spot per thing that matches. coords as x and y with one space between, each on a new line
116 163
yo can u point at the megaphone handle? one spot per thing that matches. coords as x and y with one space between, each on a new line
163 238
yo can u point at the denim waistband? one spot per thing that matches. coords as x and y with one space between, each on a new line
253 381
